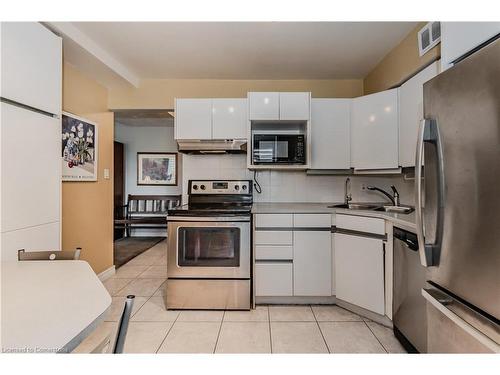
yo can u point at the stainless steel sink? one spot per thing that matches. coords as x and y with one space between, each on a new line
396 209
356 206
374 207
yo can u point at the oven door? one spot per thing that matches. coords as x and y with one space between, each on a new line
211 247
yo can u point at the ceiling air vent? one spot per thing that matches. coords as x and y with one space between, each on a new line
428 37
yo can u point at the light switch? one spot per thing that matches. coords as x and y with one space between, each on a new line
106 173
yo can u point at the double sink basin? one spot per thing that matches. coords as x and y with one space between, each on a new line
374 207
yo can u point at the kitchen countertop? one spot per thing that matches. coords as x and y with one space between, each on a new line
404 221
50 306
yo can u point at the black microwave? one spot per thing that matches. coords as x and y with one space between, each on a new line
278 148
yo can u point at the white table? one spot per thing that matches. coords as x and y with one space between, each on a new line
49 306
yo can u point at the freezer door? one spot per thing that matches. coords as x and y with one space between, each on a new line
460 236
453 327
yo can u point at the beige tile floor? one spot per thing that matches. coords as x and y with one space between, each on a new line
267 329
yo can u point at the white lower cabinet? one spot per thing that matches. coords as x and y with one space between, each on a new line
273 279
312 263
359 271
293 255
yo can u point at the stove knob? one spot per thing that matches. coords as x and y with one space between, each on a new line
195 187
244 187
237 187
202 187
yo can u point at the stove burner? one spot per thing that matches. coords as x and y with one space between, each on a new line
219 198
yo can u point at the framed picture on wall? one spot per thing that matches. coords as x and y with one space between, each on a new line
78 149
155 168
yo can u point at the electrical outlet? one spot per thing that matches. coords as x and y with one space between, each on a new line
106 173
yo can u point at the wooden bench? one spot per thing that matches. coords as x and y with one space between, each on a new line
145 212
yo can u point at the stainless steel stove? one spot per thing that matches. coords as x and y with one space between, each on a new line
209 249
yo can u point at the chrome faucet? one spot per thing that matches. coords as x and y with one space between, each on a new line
347 191
394 199
395 196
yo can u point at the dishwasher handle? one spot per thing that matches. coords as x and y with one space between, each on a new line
408 238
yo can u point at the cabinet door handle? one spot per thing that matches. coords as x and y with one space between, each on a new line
357 233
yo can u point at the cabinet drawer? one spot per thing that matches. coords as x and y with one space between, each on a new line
273 279
273 220
273 237
273 252
360 223
312 220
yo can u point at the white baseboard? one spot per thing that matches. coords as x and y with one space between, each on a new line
295 300
106 274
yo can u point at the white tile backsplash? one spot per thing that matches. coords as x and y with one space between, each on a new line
291 186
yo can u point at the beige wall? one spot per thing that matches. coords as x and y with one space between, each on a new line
160 93
87 207
400 63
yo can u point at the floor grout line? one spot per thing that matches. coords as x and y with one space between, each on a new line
218 333
270 332
373 333
170 329
320 331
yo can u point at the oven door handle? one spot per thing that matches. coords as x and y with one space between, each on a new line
232 219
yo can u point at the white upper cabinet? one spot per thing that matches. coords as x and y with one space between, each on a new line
330 132
279 105
411 112
264 105
229 118
193 118
459 38
374 131
31 66
295 105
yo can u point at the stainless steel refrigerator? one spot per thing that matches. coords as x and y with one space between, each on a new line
458 204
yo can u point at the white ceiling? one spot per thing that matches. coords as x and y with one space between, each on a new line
252 50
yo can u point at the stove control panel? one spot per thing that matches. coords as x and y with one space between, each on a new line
220 187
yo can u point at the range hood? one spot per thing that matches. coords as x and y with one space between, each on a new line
226 146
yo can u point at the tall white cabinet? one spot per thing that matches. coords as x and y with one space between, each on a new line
374 131
31 66
30 138
411 112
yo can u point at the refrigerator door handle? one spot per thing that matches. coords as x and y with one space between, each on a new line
419 155
429 251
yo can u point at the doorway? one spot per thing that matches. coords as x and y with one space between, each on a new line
119 187
139 132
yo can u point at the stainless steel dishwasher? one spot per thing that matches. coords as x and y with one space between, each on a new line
409 306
